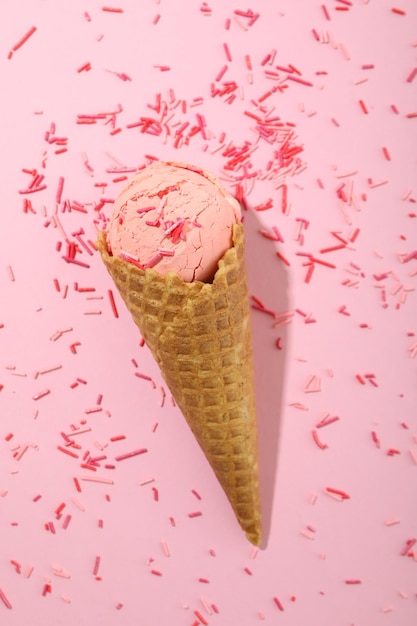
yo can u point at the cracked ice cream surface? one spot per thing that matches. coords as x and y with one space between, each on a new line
175 218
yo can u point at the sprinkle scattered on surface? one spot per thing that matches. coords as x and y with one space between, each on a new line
313 130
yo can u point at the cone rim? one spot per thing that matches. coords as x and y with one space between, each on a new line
151 273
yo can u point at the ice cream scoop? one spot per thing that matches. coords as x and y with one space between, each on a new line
175 218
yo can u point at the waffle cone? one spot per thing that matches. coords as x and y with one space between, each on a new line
200 335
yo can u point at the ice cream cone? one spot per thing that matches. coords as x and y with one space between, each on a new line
200 335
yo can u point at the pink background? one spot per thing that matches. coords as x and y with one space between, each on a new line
130 552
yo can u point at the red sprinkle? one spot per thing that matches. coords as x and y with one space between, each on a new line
201 618
47 588
338 492
23 39
325 11
86 67
355 234
17 566
117 438
332 249
412 75
408 545
143 376
375 439
283 258
317 441
113 303
60 190
41 394
66 521
96 565
129 455
4 599
60 508
112 9
227 52
321 262
386 153
309 273
326 421
302 81
363 106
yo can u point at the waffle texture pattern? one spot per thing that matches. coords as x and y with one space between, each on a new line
200 335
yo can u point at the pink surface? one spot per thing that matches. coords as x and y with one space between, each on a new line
174 218
308 114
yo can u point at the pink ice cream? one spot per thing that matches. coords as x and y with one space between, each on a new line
175 218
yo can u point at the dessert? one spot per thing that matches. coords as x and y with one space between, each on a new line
174 247
175 219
